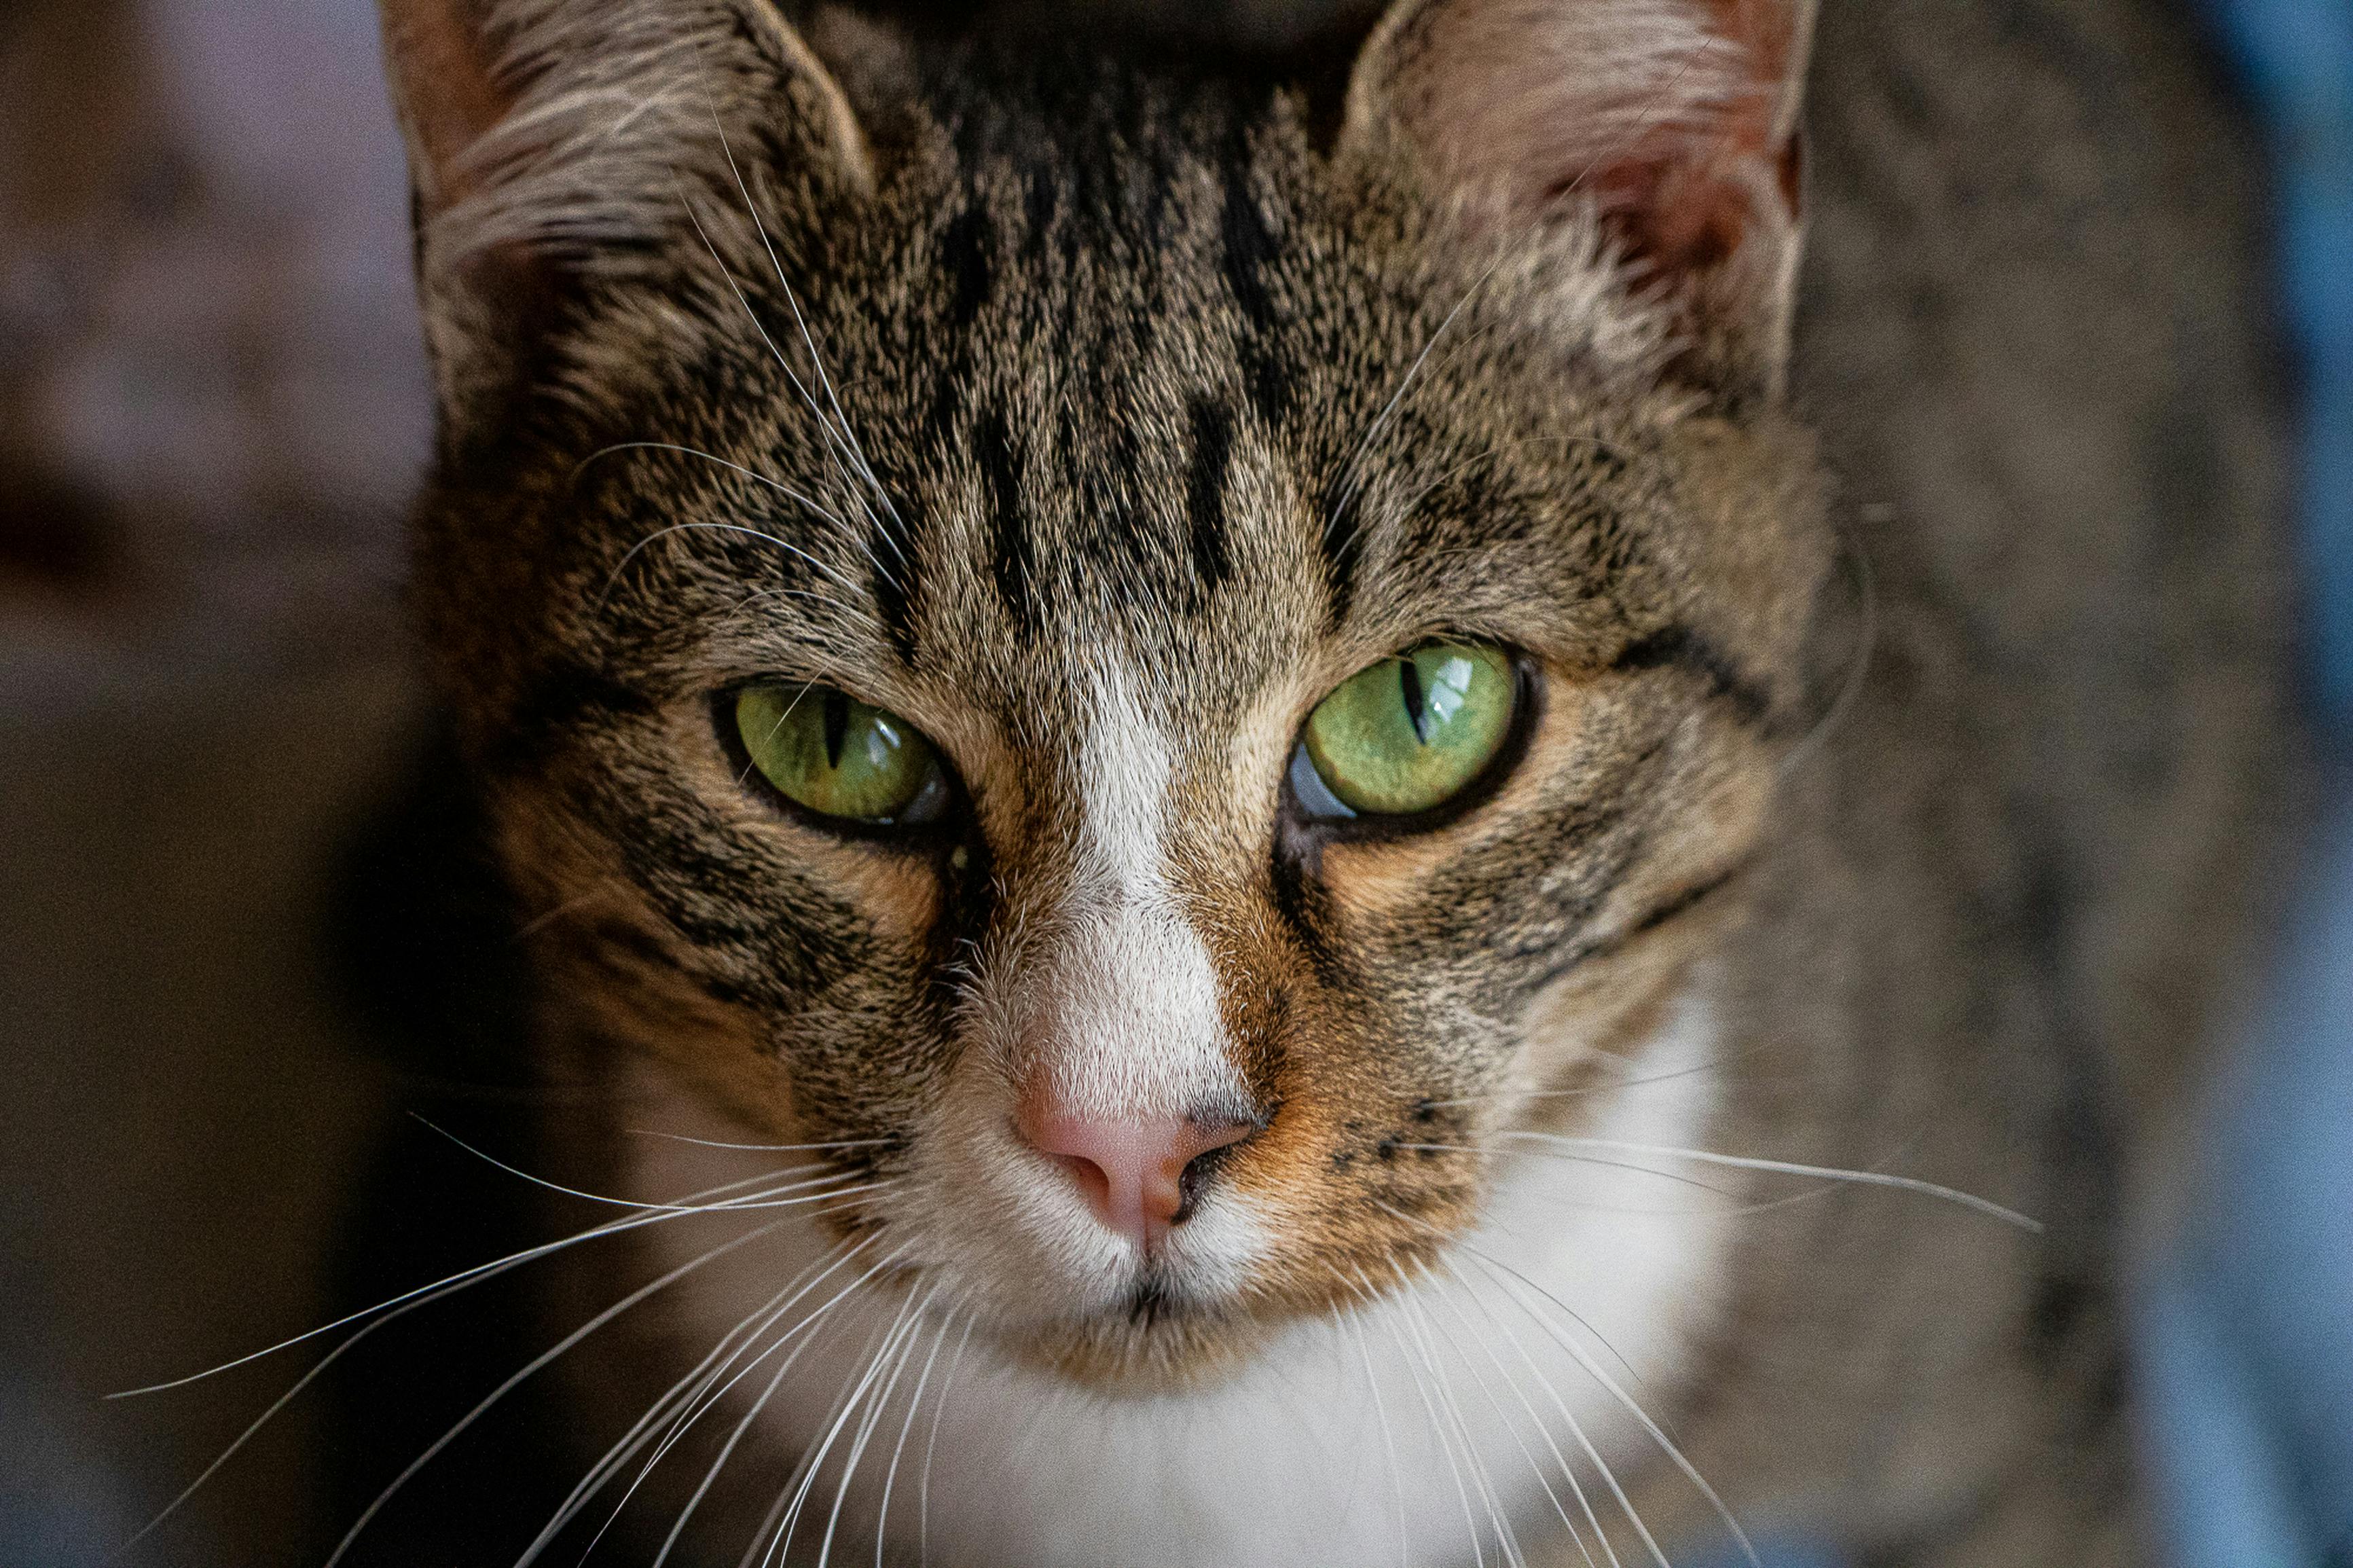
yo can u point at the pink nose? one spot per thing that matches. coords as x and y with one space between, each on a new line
1132 1174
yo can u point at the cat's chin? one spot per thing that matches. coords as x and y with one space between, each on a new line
1160 1340
1158 1349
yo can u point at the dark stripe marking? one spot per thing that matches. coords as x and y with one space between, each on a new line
1659 914
1213 458
965 247
1340 544
1011 564
890 584
1680 647
1250 249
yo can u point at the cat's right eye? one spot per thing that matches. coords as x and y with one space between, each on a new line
829 753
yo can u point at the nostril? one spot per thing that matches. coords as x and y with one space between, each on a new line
1138 1177
1094 1181
1197 1174
1202 1168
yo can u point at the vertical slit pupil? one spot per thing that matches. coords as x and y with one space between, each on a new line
836 726
1417 710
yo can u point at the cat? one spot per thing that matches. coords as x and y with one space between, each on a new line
1420 798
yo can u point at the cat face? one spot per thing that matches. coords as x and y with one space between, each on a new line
924 587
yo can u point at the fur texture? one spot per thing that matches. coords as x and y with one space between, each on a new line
1098 414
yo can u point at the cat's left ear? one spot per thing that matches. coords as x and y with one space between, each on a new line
1674 120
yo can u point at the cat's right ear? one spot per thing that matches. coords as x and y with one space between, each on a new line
551 140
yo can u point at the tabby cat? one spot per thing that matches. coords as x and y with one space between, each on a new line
1254 860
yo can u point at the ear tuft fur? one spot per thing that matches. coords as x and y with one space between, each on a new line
550 139
1671 122
622 100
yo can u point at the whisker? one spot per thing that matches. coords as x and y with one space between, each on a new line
875 1410
1569 1471
914 1404
634 1203
1349 486
807 1325
931 1446
534 1365
1658 1434
539 922
760 327
1543 1479
1487 454
1577 1432
849 1406
662 533
796 496
703 1377
776 1523
1782 1167
817 360
1419 1319
380 1315
1388 1438
1438 1427
713 1393
762 1148
727 1451
1850 690
1598 1337
848 436
752 763
770 480
1609 1088
852 610
1580 1159
1608 1478
841 527
417 1296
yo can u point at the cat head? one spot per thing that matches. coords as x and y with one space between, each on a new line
1153 664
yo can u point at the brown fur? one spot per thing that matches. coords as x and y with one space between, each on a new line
1119 344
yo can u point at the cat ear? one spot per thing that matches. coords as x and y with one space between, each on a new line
1674 120
550 140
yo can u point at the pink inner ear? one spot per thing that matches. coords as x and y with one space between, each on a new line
1670 115
1688 205
1674 212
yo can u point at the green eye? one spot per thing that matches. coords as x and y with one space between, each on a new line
1407 734
836 756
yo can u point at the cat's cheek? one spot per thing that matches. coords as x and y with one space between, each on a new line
898 893
1335 1229
630 983
1577 1033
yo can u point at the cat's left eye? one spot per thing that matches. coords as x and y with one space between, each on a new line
825 751
1409 734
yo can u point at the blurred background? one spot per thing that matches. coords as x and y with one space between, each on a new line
212 406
